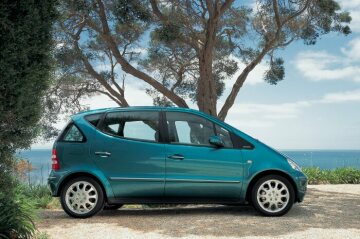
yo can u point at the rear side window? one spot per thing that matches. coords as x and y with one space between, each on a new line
73 134
134 125
93 119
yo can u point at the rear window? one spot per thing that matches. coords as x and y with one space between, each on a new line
93 119
72 134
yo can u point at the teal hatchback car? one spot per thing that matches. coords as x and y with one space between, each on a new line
140 155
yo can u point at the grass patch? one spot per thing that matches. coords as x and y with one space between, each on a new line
40 196
332 176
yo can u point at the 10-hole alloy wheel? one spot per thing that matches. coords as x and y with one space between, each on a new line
82 197
273 195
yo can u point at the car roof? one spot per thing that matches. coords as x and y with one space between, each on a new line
102 110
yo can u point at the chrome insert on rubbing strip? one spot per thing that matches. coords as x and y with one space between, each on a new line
174 180
200 180
137 179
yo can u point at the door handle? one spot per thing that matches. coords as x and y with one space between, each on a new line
103 154
176 157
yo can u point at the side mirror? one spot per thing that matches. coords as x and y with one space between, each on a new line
217 141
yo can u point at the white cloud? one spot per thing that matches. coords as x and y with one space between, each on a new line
321 65
256 76
271 111
340 97
353 52
264 115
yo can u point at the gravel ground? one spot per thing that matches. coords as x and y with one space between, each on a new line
328 211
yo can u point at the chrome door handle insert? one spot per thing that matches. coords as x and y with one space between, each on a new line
103 154
176 157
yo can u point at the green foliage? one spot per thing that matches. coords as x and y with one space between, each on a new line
24 67
166 33
335 176
17 213
276 72
129 11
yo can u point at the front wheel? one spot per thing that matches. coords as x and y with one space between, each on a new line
82 197
273 195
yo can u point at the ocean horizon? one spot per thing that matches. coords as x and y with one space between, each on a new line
322 158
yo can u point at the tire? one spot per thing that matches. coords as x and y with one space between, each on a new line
273 195
82 197
113 206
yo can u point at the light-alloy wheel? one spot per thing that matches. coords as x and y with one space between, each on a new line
273 196
81 197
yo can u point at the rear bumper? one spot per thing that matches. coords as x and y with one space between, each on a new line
54 182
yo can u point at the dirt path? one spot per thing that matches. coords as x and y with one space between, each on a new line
329 211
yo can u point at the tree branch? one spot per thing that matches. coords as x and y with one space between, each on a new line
229 102
127 67
157 11
98 77
227 4
210 7
268 46
277 14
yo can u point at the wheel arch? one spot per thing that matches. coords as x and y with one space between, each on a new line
81 174
270 172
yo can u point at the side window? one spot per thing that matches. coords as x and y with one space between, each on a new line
93 119
73 134
187 128
224 135
134 125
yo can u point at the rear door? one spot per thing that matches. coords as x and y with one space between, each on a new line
194 167
129 150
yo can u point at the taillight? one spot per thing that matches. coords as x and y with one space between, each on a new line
54 160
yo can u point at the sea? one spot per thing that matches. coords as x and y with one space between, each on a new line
324 159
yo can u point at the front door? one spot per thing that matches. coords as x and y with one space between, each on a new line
128 149
194 167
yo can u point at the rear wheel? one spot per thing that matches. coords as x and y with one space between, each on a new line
82 197
273 195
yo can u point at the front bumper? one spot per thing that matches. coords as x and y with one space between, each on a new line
301 183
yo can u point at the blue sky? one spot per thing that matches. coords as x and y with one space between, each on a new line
317 106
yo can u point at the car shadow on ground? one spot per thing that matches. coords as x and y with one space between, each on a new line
319 210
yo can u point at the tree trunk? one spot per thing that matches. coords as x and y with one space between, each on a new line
206 94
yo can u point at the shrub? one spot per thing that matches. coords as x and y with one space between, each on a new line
334 176
39 194
17 213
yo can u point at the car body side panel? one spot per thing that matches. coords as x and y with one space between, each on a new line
204 172
262 159
134 169
56 178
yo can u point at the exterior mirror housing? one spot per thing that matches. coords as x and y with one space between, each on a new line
216 140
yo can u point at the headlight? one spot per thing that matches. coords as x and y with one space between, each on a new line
293 165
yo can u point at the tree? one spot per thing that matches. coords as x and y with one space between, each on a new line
193 46
25 66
